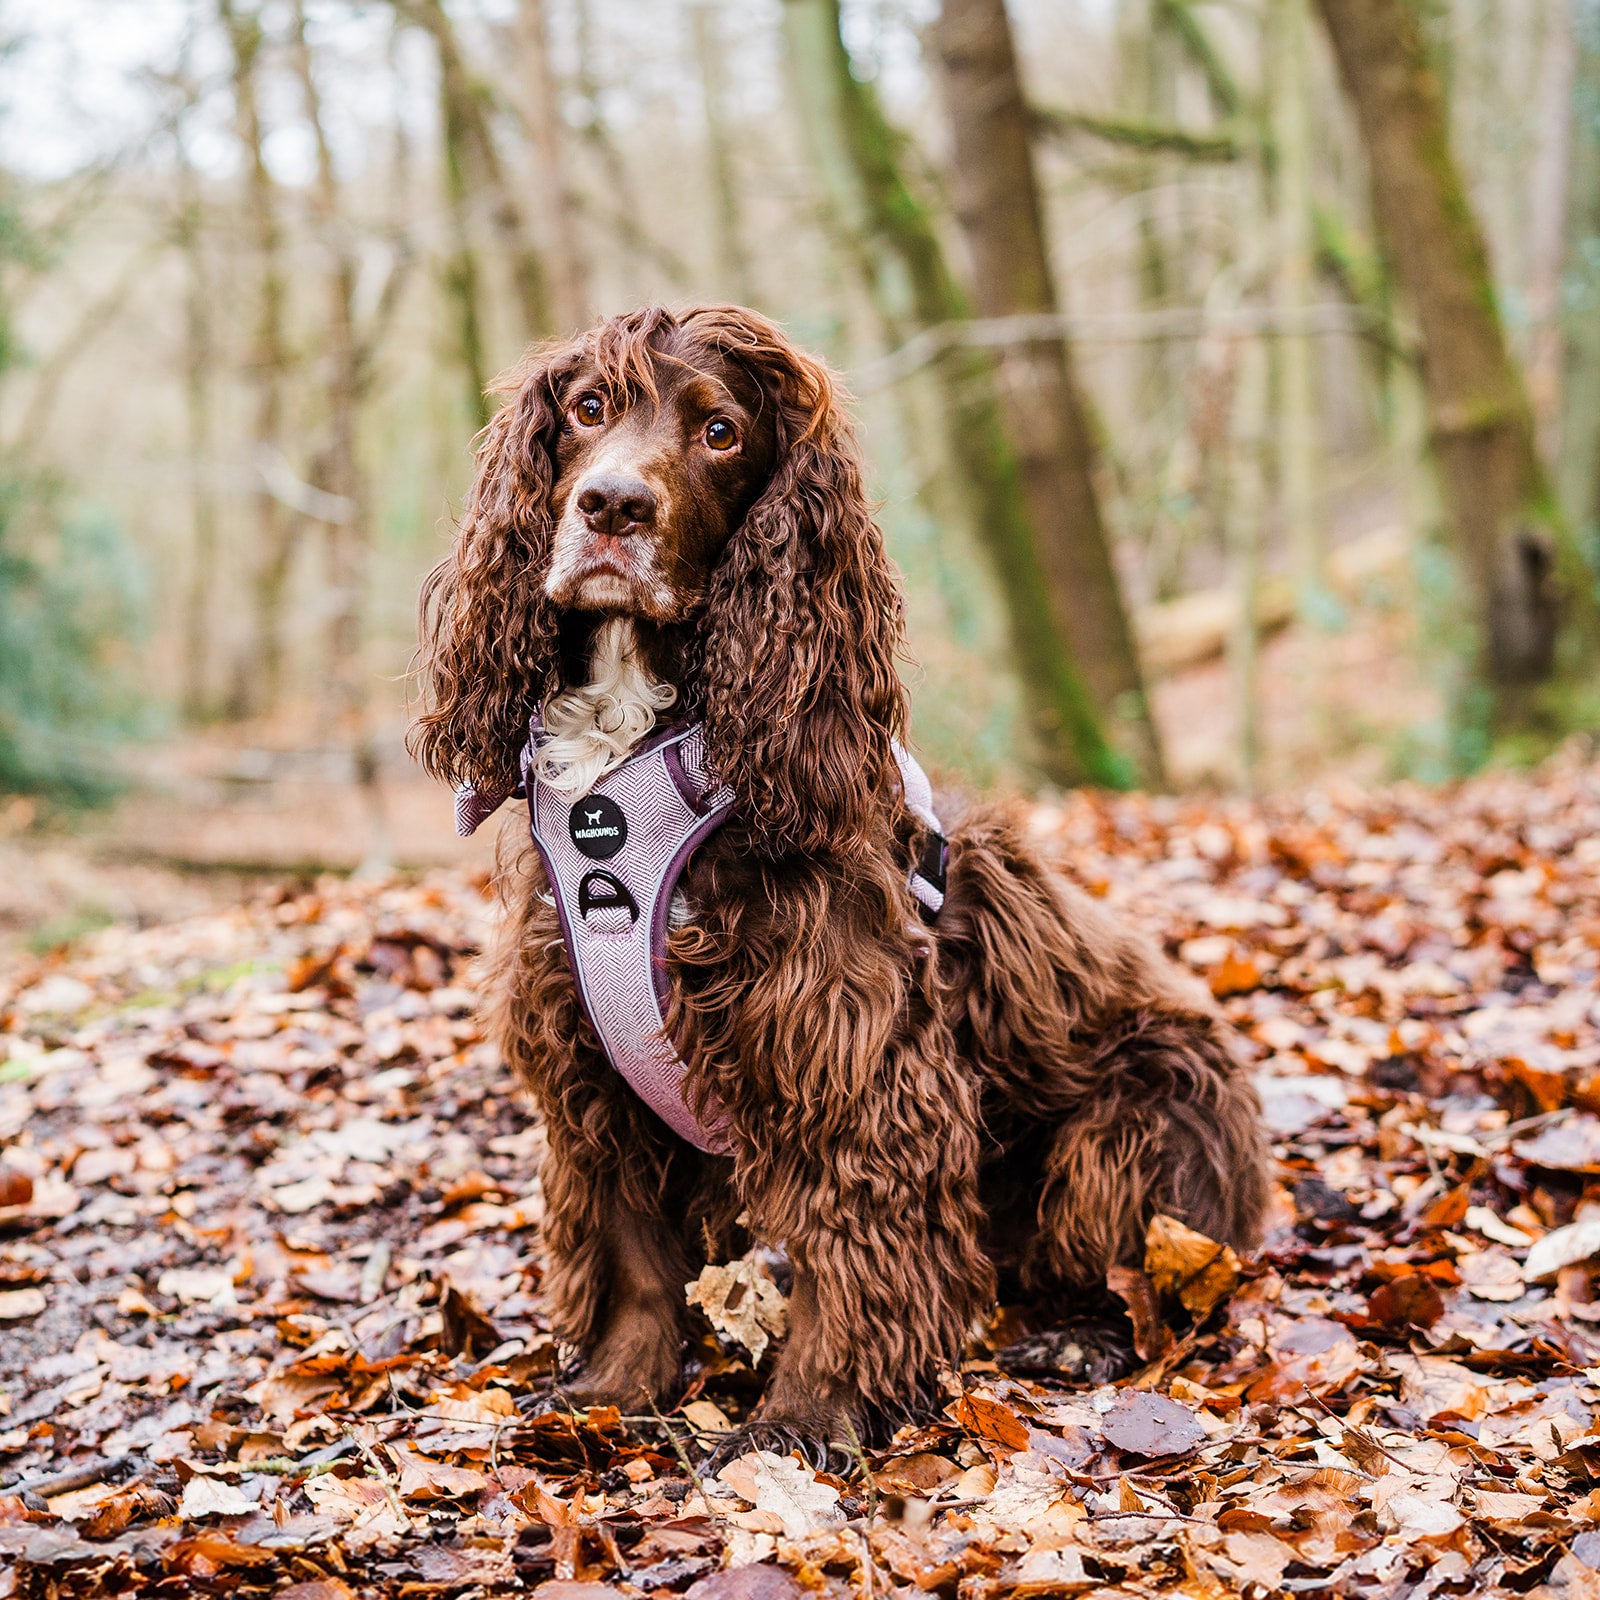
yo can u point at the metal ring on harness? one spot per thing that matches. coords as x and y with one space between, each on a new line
600 891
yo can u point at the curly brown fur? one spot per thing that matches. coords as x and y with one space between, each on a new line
913 1109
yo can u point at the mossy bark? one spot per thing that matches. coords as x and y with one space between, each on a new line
1531 593
473 171
901 262
1001 214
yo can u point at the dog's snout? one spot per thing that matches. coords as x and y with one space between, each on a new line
617 505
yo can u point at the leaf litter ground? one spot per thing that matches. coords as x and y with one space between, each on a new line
269 1263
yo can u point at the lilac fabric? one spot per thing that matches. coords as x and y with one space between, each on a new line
613 859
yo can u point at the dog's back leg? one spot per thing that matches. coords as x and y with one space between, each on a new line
1109 1087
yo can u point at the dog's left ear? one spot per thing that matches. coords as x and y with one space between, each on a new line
800 693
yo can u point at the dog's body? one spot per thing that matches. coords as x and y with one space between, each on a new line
669 514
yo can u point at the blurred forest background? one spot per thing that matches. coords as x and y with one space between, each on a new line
1229 372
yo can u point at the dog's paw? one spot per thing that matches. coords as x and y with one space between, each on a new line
808 1440
1084 1352
578 1386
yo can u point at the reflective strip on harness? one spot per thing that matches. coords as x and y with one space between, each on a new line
613 859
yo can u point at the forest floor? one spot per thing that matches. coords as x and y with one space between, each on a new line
270 1261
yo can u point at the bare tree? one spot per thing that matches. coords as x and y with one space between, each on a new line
277 529
474 174
344 486
1525 580
199 361
1299 454
733 260
1578 465
896 252
998 207
569 270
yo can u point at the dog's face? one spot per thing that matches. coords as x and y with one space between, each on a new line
649 485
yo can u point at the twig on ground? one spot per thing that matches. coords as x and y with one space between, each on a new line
84 1477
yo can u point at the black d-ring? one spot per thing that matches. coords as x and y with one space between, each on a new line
600 891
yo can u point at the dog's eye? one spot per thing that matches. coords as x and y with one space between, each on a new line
721 434
590 411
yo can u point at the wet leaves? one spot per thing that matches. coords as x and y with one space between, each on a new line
1148 1425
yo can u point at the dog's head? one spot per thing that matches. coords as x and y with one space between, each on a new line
697 471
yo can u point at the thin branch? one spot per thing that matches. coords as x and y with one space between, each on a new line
1060 122
1176 322
1219 76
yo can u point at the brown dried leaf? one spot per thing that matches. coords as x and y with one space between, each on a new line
1409 1302
993 1421
1151 1337
1185 1263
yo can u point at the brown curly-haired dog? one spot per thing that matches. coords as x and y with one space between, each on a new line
673 503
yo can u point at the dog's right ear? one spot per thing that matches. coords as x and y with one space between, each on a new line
488 632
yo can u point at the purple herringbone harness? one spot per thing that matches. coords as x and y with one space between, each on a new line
613 859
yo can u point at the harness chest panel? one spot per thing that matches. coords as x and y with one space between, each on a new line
613 858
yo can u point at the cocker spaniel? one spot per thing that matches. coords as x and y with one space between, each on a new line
928 1070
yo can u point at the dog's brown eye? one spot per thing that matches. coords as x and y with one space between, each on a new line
721 434
590 411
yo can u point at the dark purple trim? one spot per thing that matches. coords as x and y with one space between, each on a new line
706 826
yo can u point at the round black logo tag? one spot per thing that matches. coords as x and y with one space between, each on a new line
598 827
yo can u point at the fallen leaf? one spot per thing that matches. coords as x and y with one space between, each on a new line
213 1497
195 1286
1412 1301
990 1420
1180 1261
1147 1424
707 1416
1491 1275
1561 1247
15 1304
424 1479
781 1486
1150 1335
1566 1146
741 1301
465 1330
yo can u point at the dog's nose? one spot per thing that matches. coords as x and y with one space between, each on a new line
617 505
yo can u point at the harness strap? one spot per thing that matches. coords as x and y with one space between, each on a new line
476 803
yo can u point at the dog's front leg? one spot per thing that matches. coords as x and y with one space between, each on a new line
865 1167
621 1196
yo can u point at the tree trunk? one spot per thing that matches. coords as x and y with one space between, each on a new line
1298 443
1548 208
1532 612
896 253
1578 466
340 474
733 260
998 207
569 270
621 203
474 173
260 672
1246 511
199 357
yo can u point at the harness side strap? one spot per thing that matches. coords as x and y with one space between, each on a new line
476 803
